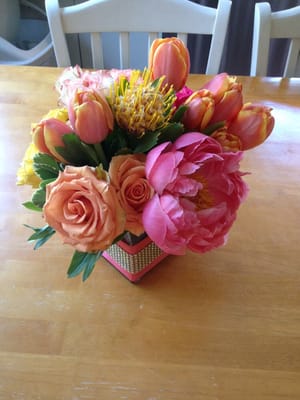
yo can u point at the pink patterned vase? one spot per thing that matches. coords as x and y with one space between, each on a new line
134 256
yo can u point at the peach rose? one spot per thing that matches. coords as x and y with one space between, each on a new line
84 209
127 173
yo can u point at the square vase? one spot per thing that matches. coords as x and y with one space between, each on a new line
134 257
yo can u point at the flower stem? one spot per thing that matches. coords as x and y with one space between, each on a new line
101 155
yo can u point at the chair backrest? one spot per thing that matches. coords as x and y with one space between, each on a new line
268 25
38 55
151 16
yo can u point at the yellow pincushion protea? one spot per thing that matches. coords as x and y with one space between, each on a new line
141 105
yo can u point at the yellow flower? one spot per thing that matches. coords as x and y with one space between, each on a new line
141 105
58 113
26 174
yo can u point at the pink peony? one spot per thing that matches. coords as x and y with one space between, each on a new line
127 173
198 191
84 209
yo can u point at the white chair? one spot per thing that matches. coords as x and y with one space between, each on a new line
151 16
11 54
38 55
280 24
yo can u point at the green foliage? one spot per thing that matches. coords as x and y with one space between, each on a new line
40 235
116 143
171 132
209 130
30 206
45 166
77 152
83 263
179 113
39 196
146 142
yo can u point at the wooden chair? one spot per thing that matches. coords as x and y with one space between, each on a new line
280 24
151 16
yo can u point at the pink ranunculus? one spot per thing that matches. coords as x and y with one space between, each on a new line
227 93
84 209
127 174
198 188
74 78
90 116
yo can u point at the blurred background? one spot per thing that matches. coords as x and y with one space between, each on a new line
24 35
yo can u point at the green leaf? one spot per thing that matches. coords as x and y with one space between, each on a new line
115 142
40 235
147 142
39 197
77 152
171 132
45 166
179 113
213 127
30 206
83 262
155 83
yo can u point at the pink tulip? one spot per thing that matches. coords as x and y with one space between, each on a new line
48 134
90 116
228 97
169 57
200 110
252 125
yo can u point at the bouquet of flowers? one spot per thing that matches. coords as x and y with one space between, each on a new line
139 152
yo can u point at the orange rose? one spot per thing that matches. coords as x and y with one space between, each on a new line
84 209
127 173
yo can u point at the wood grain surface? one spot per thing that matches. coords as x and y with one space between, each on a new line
223 325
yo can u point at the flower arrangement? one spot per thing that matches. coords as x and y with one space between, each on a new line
140 152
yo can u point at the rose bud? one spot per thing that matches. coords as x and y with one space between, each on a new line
252 125
169 57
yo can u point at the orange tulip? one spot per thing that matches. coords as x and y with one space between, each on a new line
252 125
48 134
169 57
228 141
90 116
227 93
200 110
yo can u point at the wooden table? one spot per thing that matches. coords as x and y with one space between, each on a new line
224 325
